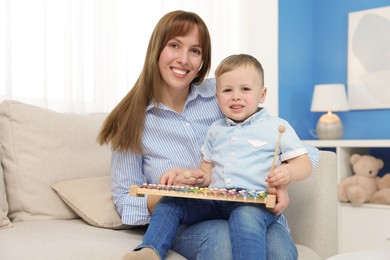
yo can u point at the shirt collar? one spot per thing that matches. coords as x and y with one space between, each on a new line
204 90
261 114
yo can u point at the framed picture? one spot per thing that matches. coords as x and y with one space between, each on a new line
369 59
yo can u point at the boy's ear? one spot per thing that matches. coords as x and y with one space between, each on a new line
263 95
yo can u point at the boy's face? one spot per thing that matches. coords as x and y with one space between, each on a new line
239 92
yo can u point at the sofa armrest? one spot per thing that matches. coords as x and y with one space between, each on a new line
313 211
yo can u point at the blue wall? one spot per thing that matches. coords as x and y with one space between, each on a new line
313 43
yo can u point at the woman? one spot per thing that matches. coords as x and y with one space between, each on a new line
162 123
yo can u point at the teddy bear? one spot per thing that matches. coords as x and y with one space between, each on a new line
382 196
360 187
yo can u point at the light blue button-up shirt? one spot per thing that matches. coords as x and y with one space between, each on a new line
242 153
170 139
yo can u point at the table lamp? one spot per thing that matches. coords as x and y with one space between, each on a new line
329 98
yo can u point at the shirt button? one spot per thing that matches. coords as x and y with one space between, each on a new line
234 138
239 126
228 181
232 154
187 124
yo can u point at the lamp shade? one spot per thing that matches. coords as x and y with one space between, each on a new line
329 97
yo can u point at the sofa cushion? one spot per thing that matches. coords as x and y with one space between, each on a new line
315 198
4 220
305 253
41 147
68 240
91 199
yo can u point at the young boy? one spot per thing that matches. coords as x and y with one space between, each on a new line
238 153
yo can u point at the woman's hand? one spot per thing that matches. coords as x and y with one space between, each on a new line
282 199
169 177
183 177
151 202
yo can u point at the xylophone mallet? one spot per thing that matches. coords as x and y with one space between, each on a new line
281 130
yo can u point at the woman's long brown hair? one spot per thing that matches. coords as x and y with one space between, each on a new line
124 126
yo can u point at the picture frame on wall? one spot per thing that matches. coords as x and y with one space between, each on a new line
369 59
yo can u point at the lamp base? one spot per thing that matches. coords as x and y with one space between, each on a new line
329 126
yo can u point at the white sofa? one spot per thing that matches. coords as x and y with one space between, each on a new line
55 192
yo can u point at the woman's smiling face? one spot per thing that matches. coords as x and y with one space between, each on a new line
180 61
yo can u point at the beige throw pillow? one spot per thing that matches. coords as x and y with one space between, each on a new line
41 147
91 199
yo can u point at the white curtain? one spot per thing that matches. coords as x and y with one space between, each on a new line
84 55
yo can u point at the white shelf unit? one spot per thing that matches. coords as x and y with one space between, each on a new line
365 227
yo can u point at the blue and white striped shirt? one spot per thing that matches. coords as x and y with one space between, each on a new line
169 140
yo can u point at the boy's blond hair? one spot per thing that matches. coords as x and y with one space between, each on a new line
237 60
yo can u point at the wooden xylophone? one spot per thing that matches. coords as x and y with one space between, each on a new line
204 193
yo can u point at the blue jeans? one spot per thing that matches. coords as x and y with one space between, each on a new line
208 239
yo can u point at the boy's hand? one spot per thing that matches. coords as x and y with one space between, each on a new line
279 176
